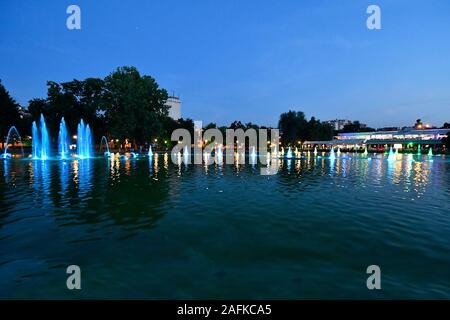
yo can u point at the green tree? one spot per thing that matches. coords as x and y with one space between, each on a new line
319 131
356 126
211 125
293 127
237 125
9 113
134 105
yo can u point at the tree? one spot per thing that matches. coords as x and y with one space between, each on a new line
319 131
356 126
237 125
446 125
170 125
418 124
250 125
293 127
446 141
211 125
134 105
9 113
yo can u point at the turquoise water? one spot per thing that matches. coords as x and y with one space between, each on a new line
141 229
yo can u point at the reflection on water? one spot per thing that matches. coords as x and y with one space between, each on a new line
240 234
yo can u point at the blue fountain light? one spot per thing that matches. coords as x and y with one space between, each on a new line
11 132
36 141
63 140
391 156
150 152
332 154
289 153
103 140
45 140
40 140
84 143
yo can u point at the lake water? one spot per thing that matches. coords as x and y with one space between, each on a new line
153 229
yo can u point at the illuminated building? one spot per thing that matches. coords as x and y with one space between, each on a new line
401 139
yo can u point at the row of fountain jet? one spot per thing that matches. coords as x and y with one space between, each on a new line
41 141
41 149
41 144
391 155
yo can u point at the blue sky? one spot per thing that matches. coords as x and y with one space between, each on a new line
244 60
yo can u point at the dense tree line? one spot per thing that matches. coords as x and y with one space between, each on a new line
123 105
295 127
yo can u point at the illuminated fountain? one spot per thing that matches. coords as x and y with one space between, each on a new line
40 140
253 153
289 153
103 140
186 155
63 141
12 131
430 152
218 151
365 153
315 151
332 154
150 152
391 156
338 152
418 149
84 143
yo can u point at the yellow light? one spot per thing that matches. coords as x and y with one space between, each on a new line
156 140
165 141
74 136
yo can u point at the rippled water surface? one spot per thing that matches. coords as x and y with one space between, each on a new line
153 229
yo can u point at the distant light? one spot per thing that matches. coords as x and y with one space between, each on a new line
75 136
156 140
165 141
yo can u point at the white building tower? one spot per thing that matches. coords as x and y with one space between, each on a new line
174 104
